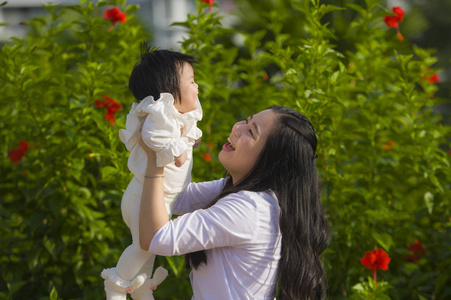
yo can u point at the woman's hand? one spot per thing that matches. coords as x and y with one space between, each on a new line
149 152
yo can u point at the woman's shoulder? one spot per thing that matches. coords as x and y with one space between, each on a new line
266 195
263 200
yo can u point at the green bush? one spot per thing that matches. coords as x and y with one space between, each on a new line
383 153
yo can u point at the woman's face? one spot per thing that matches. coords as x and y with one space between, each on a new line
245 144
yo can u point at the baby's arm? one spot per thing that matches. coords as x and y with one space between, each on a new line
180 160
162 136
196 143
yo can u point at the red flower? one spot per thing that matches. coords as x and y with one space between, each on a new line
207 157
15 155
114 15
377 259
389 145
434 78
392 21
210 3
430 78
399 12
209 146
416 248
112 107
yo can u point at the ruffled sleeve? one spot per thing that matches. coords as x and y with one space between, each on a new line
190 119
161 130
129 136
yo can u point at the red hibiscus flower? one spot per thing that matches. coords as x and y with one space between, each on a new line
207 157
389 145
210 3
430 78
399 12
377 259
16 155
416 248
393 20
434 78
112 107
115 15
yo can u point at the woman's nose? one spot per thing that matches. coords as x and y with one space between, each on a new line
236 129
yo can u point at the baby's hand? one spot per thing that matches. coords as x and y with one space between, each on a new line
196 143
179 161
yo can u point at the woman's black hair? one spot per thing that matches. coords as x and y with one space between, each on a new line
156 72
287 166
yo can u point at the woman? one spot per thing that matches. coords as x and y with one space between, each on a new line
262 224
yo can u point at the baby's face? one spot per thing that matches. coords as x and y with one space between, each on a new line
188 90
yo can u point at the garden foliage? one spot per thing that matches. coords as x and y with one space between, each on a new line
383 154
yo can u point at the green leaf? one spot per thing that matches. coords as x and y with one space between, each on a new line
383 239
171 263
53 294
108 171
429 201
356 7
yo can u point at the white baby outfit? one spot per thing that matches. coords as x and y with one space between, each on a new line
169 133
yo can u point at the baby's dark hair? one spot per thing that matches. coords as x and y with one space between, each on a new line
156 72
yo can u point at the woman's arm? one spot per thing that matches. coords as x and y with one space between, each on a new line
152 214
231 222
198 195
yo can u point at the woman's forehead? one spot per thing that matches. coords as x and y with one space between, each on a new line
264 120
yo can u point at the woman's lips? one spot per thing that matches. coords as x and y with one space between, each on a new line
228 147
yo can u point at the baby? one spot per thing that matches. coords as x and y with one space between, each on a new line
166 118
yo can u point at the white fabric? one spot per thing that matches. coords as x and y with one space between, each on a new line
161 127
242 234
166 131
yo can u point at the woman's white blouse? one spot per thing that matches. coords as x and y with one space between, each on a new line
241 232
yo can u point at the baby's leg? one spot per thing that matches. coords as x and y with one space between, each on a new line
125 278
145 291
134 261
133 258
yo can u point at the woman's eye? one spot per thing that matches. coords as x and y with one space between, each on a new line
250 130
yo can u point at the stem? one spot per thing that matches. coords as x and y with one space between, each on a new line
375 277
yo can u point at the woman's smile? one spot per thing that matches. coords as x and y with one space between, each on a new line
245 143
229 146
